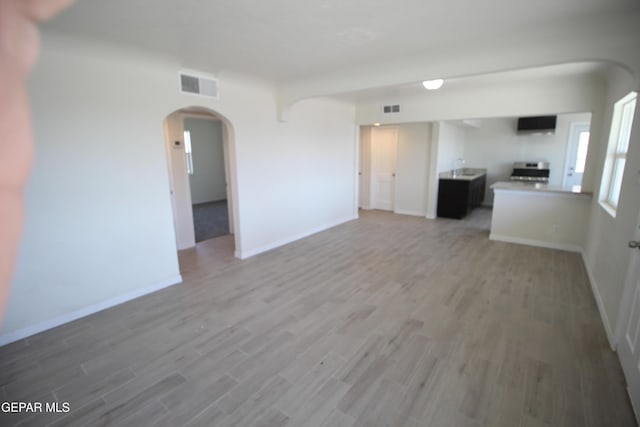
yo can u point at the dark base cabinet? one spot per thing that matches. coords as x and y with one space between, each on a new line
458 197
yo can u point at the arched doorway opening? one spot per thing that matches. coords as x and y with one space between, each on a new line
191 188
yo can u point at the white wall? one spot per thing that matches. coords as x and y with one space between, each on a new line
414 150
495 145
606 251
208 182
298 176
99 226
450 145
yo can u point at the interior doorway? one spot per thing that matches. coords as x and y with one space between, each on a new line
577 147
384 153
204 148
201 162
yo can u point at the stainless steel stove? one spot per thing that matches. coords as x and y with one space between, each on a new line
530 172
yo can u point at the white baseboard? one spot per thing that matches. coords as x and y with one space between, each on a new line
253 252
599 302
86 311
538 243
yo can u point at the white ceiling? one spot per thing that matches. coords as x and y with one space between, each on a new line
282 40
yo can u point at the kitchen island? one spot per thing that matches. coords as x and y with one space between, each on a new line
540 215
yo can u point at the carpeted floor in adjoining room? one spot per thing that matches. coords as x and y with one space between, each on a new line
210 220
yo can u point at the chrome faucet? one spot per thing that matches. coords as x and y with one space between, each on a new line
458 165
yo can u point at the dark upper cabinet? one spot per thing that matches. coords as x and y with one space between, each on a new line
457 197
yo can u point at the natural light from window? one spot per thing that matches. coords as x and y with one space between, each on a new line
188 152
583 147
617 153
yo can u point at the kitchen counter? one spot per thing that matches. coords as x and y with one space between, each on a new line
465 174
538 187
540 215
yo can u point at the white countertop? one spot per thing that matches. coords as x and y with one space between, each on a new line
464 174
538 187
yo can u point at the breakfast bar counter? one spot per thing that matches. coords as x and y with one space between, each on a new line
540 214
538 187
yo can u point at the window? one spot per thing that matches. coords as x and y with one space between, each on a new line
617 153
188 152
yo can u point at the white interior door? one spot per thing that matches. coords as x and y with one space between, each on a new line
227 177
628 345
577 147
384 151
180 190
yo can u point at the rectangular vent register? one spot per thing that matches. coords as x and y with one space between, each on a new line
198 84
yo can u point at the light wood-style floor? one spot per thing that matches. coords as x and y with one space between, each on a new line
386 321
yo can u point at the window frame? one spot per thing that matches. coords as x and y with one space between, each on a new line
617 149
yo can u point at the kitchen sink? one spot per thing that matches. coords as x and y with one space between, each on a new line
463 173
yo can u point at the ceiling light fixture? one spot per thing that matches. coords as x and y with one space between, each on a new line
433 84
376 124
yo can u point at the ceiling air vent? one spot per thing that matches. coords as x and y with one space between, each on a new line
391 108
198 84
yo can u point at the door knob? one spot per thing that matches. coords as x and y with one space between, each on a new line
634 244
